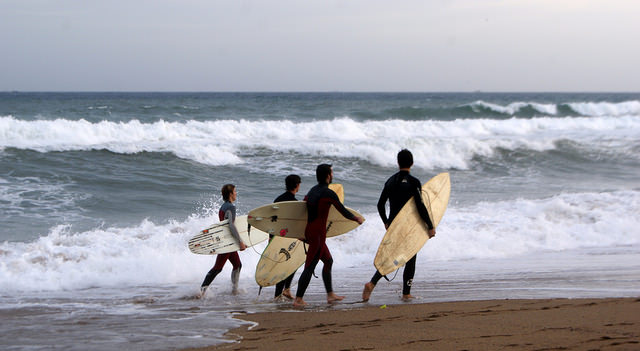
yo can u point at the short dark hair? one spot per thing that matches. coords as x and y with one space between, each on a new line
322 172
292 181
405 158
227 189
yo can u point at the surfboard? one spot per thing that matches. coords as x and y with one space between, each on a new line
289 219
217 238
338 189
280 259
408 232
283 256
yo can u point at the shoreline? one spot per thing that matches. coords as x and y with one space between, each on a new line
536 324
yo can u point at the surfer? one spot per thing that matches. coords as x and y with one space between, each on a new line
227 211
399 189
319 201
292 182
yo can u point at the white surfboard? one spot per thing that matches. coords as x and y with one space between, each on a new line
283 256
217 238
408 232
289 219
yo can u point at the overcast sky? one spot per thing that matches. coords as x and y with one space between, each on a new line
329 45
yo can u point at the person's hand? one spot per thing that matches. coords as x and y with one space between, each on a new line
432 233
360 220
243 246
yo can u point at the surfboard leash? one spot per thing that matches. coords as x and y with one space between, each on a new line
261 254
429 205
394 276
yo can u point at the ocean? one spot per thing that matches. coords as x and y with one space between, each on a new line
100 192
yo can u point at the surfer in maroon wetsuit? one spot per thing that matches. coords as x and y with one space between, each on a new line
227 211
319 200
399 189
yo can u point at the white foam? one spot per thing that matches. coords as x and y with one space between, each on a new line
446 144
515 107
596 109
606 108
514 228
151 254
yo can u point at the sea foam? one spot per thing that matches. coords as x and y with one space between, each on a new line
445 144
586 108
151 254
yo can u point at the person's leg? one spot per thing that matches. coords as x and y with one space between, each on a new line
327 261
407 278
368 287
211 275
282 288
313 256
287 285
217 268
279 288
234 258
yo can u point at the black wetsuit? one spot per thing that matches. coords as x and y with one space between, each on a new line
399 189
285 284
319 201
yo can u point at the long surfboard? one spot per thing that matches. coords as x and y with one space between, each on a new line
217 238
289 219
283 256
408 232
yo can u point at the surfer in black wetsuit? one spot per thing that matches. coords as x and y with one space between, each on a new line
227 211
292 183
319 201
399 189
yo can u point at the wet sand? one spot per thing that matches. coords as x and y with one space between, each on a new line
548 324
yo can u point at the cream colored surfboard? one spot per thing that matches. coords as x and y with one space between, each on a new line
338 189
283 256
408 232
217 238
289 219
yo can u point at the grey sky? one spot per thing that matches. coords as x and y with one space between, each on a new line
331 45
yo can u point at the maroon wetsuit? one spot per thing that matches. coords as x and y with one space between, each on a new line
319 201
227 211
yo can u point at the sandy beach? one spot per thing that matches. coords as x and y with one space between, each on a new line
547 324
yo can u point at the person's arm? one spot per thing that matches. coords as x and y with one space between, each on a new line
382 211
343 210
231 215
422 209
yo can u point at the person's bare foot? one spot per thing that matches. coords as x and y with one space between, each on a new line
368 289
407 297
287 293
332 297
299 302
